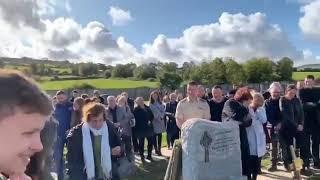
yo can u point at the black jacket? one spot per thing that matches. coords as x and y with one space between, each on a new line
171 124
238 112
273 111
143 117
216 109
76 166
292 115
310 99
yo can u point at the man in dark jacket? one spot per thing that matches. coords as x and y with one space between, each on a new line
292 127
310 97
62 113
171 125
216 103
274 118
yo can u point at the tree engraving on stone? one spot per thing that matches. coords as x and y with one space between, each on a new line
205 142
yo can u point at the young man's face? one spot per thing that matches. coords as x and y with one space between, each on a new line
61 98
217 93
309 82
192 91
75 94
291 93
96 122
19 140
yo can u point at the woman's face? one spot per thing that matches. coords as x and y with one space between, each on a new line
291 93
247 103
155 96
76 106
140 102
122 102
96 122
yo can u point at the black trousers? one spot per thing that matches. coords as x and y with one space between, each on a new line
254 166
315 139
141 141
171 137
126 142
275 147
287 140
135 141
157 138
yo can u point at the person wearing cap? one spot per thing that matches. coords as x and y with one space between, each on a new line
96 93
310 97
192 106
274 118
292 126
62 113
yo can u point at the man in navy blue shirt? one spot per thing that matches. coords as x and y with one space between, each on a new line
62 113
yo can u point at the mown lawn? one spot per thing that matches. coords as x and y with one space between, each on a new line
301 75
97 83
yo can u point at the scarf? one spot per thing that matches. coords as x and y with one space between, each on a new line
88 150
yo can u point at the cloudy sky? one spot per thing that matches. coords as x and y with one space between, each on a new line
141 31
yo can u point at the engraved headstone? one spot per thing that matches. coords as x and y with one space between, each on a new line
211 150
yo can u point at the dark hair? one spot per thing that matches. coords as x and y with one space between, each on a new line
74 91
243 94
151 100
193 83
233 91
17 91
60 92
217 87
85 96
310 77
291 87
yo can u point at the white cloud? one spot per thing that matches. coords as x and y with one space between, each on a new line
22 13
310 22
119 16
62 32
233 35
309 58
97 37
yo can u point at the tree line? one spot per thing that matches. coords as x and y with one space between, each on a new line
170 75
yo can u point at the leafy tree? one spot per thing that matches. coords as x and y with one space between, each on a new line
123 71
285 69
170 80
259 70
1 64
107 74
145 71
235 73
34 68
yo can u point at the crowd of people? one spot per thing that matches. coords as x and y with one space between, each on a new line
83 136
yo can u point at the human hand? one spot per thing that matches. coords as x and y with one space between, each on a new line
19 177
116 151
300 127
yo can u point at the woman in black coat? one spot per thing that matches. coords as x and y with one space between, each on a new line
143 128
236 109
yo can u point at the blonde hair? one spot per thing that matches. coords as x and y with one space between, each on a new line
257 97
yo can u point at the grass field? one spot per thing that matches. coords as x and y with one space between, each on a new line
97 83
301 75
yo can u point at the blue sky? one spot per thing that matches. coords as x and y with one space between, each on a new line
150 19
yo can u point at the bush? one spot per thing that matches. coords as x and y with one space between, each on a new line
152 79
83 86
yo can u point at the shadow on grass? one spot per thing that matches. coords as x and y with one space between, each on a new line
150 170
